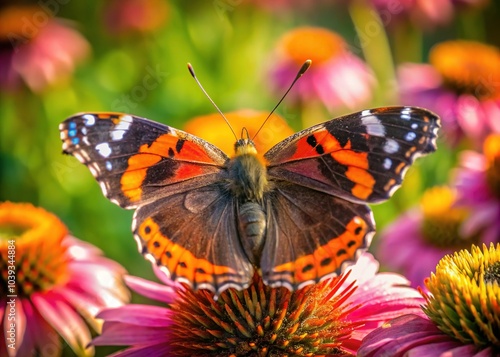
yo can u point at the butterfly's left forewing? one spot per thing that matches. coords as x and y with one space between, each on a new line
136 160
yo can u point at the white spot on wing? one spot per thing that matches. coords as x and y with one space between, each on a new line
104 149
410 136
387 163
391 146
373 125
89 119
414 126
109 166
121 128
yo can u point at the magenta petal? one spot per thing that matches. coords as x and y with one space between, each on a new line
135 314
158 350
44 337
151 289
120 334
401 335
63 319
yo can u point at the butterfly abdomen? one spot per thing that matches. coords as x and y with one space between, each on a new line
252 230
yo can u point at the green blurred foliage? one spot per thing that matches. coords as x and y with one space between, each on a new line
231 45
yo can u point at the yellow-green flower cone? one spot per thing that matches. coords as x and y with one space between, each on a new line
464 298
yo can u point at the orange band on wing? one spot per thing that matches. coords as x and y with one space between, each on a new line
132 179
166 145
327 258
179 261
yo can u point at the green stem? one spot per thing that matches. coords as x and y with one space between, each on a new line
375 46
408 43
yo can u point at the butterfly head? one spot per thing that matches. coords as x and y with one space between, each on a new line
244 146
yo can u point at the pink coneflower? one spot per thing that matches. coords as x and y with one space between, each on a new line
461 84
328 318
40 53
418 239
139 16
424 13
478 186
463 306
337 77
51 285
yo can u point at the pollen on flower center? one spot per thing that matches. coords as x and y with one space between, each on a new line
30 241
463 300
442 221
468 67
316 44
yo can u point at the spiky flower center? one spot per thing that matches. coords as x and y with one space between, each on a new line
263 321
468 67
31 255
464 296
317 44
492 152
442 221
492 274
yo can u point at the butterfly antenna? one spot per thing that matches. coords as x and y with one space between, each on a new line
301 71
191 70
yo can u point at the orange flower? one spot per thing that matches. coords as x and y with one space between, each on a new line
213 129
51 284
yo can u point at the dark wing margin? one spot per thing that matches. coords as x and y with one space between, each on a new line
311 236
361 157
132 158
193 238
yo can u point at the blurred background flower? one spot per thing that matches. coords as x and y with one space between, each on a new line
60 284
428 232
135 16
215 130
461 84
462 308
478 185
37 48
337 77
426 14
327 318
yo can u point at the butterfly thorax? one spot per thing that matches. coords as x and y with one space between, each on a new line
248 182
247 173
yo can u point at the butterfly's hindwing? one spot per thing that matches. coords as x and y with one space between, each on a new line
132 158
361 157
193 237
311 235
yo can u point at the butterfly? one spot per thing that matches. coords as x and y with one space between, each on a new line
297 214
